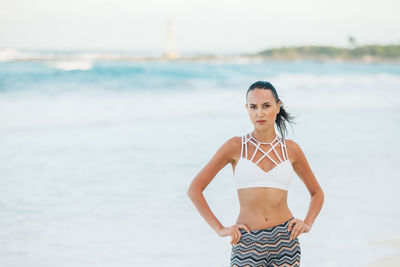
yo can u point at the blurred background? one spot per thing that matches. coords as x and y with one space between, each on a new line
109 109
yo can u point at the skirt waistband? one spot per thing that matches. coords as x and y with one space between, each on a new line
270 229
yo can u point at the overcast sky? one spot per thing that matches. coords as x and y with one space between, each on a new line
200 25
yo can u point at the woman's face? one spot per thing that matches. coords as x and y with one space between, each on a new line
262 108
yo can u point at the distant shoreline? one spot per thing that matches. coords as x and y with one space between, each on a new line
366 53
360 54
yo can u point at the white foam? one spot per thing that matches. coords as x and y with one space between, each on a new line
299 92
68 65
12 54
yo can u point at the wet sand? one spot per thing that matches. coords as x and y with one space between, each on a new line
391 260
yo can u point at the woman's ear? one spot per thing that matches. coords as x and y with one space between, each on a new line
279 107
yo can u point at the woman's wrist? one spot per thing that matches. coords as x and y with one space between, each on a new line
218 227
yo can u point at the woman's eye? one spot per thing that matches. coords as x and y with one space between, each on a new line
253 107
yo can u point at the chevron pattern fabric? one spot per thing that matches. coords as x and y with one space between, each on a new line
266 247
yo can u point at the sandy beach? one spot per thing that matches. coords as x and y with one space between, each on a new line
392 260
101 153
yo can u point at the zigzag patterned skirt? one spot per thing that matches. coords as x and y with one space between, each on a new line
266 247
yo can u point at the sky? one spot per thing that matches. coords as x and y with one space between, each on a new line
209 26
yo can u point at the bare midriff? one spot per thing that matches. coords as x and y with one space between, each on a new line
263 207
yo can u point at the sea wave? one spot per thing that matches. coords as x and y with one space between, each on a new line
72 65
33 96
85 108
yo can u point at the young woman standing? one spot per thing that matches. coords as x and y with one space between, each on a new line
265 232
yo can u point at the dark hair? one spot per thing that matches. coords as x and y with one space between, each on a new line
283 114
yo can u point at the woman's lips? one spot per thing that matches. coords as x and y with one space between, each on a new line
261 121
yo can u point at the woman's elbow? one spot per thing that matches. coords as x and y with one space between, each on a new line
193 190
320 194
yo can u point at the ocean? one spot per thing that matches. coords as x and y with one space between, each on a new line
96 158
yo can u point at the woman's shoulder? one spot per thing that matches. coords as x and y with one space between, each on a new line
232 145
234 141
293 148
290 142
230 149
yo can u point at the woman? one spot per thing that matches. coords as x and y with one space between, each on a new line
265 232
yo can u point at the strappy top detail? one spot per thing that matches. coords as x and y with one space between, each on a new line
248 173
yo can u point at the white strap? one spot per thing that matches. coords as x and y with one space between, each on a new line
255 150
282 141
241 147
276 153
266 154
283 153
245 144
284 144
272 144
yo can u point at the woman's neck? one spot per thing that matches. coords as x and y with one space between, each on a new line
266 136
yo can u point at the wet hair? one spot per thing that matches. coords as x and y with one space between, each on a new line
283 115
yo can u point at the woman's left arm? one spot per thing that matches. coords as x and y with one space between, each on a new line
303 170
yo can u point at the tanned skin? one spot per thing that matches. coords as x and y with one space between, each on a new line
260 207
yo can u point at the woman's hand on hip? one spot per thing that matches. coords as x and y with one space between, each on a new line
297 227
233 231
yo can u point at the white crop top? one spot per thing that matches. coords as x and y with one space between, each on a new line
248 174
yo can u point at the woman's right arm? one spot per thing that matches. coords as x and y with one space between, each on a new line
223 156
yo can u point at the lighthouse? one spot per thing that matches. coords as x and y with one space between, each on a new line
171 48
